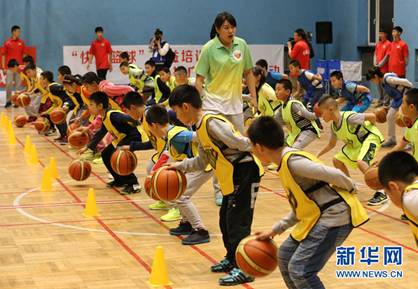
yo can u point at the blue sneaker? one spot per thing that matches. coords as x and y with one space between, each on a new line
235 277
223 266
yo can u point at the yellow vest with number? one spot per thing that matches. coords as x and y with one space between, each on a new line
24 79
413 135
224 169
158 144
157 92
306 210
412 220
288 119
117 135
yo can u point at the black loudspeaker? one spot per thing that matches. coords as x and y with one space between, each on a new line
324 32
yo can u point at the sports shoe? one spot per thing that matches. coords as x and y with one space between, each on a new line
97 161
131 189
62 140
9 103
218 198
404 218
235 277
158 205
379 198
50 132
184 228
172 215
32 118
272 167
389 143
198 236
223 266
114 184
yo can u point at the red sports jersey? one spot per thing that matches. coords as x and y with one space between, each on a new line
382 49
13 49
101 48
398 52
301 52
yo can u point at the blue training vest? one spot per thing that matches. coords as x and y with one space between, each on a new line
352 96
394 92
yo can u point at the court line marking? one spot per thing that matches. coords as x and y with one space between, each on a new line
20 210
108 229
194 247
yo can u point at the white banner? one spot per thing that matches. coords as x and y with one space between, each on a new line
187 55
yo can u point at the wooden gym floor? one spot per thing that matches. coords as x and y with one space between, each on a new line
46 242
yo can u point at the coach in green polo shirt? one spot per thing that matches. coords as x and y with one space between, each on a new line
223 62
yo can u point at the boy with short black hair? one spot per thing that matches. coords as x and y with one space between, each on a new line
356 96
398 173
137 77
324 205
361 138
150 68
181 144
310 82
238 173
302 128
124 127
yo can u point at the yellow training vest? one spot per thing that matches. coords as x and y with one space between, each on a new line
178 156
288 119
307 211
158 144
224 169
117 135
412 220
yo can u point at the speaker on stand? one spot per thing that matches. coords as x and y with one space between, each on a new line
324 34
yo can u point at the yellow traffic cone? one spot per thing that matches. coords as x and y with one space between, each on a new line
159 274
28 145
11 134
90 209
46 182
2 119
53 168
33 158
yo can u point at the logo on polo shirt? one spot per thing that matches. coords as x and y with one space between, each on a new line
237 55
102 44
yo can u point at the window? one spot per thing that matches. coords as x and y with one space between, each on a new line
380 16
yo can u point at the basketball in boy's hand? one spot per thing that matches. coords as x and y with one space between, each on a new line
381 114
79 170
41 124
256 258
168 184
123 162
20 120
58 115
78 139
371 178
23 100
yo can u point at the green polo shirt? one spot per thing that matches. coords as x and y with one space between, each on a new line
223 70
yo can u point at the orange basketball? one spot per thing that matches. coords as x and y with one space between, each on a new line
371 178
148 188
168 184
58 115
23 100
381 114
20 120
73 126
79 170
123 162
78 139
316 110
41 124
256 258
13 99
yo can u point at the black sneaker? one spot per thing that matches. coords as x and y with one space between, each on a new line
404 218
198 236
114 184
379 198
184 228
222 266
131 189
50 132
235 277
9 103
